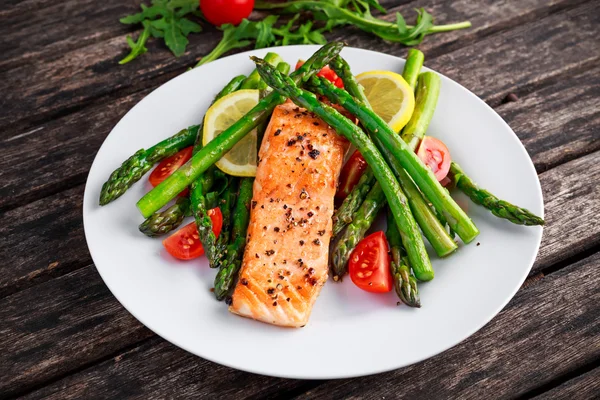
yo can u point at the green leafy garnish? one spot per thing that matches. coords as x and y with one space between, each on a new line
164 19
358 13
264 34
168 19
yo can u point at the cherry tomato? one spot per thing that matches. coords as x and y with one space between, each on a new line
170 165
369 264
219 12
350 174
326 73
435 155
185 243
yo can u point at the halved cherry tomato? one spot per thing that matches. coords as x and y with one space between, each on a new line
170 165
350 174
435 155
219 12
185 243
326 73
369 264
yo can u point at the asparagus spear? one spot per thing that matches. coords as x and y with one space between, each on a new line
430 225
426 97
500 208
233 259
201 187
226 203
395 197
213 151
162 222
253 80
355 231
420 173
142 161
404 281
412 68
345 213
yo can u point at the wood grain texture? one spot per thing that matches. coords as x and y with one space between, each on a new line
45 240
583 387
546 329
77 77
44 33
61 325
559 122
561 241
572 203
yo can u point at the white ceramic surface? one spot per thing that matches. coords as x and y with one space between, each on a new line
173 299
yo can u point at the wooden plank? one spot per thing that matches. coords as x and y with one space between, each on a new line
60 325
547 329
66 26
559 122
57 154
572 211
19 306
583 387
78 77
43 240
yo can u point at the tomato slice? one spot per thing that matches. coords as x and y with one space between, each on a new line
350 174
185 243
170 165
326 73
369 264
435 155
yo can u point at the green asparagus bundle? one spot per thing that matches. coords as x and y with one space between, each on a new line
500 208
345 213
430 225
227 274
213 151
420 173
405 283
395 197
355 231
142 161
226 203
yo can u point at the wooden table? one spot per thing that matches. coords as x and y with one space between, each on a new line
64 336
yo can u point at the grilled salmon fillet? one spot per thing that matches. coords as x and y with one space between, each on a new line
285 260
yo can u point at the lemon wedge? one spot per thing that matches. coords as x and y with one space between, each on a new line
241 160
390 97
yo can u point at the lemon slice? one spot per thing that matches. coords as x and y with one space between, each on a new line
241 159
390 97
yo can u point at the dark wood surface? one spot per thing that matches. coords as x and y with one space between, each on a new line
64 336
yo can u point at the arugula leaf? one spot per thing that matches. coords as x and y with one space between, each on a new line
358 13
165 19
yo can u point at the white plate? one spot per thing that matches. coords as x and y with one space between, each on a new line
351 332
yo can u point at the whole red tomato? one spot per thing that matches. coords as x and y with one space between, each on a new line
219 12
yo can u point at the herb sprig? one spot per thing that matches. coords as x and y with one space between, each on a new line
169 20
166 19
